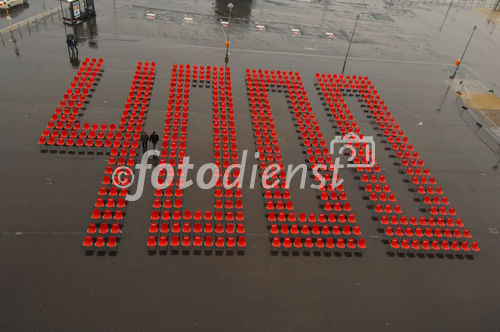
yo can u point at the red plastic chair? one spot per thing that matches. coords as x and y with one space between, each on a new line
208 244
87 243
112 243
100 243
151 244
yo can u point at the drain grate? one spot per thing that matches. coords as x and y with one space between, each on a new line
382 17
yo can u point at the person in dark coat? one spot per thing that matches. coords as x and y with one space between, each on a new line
144 140
69 42
75 45
154 138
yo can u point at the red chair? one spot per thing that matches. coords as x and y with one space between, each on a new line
162 243
151 244
208 244
115 228
425 245
186 242
330 244
297 243
405 245
287 243
153 228
340 244
465 247
219 243
112 243
103 229
100 243
475 248
435 246
92 228
87 243
174 243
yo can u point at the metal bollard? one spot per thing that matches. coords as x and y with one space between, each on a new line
3 43
29 30
20 32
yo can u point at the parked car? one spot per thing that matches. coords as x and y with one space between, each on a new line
4 4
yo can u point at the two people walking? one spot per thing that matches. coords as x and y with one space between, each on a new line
72 44
145 138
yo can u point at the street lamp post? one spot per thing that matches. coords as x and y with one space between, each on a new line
9 18
445 16
230 6
465 50
350 42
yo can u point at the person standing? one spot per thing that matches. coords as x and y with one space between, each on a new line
69 43
144 140
75 45
154 138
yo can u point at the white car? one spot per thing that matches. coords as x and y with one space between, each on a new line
4 4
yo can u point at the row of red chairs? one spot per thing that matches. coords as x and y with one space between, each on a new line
422 221
100 243
435 246
185 75
107 215
311 218
296 229
121 135
110 203
218 215
104 229
410 232
198 242
198 227
111 191
65 138
84 130
89 142
318 244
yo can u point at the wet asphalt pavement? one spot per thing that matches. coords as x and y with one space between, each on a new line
48 284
